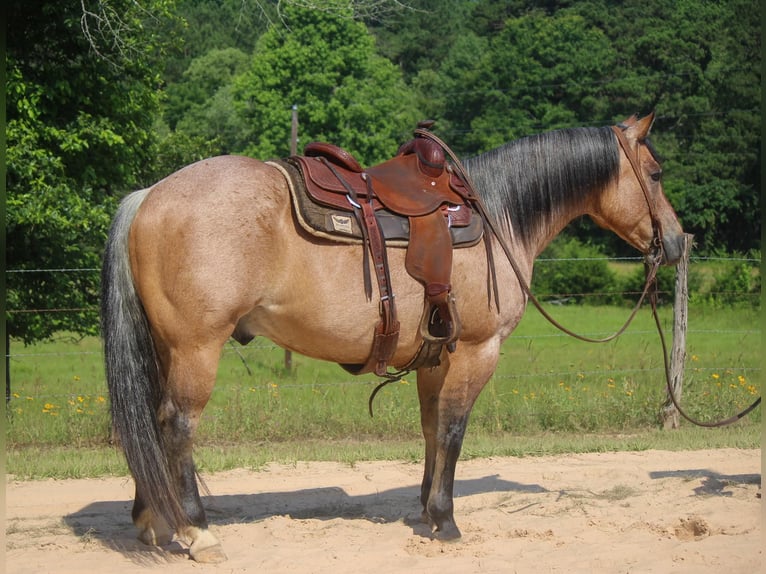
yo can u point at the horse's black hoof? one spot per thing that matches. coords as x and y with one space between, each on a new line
447 533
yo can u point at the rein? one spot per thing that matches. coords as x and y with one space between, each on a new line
666 362
650 287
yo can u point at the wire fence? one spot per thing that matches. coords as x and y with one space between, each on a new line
26 359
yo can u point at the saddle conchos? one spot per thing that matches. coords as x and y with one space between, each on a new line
415 200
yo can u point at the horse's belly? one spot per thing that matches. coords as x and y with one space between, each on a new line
320 309
335 328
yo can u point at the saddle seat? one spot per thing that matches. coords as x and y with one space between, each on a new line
420 185
414 183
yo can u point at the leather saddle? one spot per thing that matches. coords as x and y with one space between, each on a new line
428 201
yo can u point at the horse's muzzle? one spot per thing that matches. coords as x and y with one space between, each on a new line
672 249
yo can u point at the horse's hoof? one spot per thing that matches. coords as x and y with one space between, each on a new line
204 546
152 537
447 533
209 555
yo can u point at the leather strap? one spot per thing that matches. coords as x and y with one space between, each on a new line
634 163
386 335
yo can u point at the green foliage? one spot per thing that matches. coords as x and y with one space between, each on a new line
569 271
80 107
205 84
734 283
346 94
537 72
417 39
212 25
519 68
633 284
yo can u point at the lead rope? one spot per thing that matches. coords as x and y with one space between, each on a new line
651 276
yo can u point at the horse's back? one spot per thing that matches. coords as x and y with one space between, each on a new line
215 180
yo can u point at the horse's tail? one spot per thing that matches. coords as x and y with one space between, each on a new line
133 373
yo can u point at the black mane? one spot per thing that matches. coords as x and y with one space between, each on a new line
531 181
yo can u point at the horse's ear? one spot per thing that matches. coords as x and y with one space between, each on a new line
630 122
643 126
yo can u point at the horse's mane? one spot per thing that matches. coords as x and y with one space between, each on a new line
531 181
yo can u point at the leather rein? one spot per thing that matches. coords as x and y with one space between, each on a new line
654 260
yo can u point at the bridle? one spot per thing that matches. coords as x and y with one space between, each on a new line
634 163
654 260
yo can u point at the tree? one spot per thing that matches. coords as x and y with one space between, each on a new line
201 103
81 99
216 25
698 65
326 64
524 67
418 38
538 72
717 182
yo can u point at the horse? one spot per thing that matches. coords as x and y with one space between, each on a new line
214 252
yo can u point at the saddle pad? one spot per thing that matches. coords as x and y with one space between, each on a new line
340 225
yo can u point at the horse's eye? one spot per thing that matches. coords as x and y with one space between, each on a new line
656 176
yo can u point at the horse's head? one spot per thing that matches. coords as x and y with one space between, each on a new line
636 208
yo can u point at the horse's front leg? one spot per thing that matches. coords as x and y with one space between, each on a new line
430 382
447 394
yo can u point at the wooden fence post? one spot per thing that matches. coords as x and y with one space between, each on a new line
293 151
669 415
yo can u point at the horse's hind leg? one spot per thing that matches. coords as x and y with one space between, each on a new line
190 377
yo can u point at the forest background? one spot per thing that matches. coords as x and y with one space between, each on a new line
107 96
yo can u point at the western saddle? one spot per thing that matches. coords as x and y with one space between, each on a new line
418 193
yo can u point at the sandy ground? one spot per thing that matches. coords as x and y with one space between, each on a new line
645 512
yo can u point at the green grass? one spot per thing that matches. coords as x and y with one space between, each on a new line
550 394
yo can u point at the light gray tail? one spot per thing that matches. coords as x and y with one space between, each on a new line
133 373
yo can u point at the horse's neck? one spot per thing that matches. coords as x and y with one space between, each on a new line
532 241
536 188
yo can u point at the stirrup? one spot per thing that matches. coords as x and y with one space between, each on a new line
431 323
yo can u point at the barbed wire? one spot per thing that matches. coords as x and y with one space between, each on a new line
539 259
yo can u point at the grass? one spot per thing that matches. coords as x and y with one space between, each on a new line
550 394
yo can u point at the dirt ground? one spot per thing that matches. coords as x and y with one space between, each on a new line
643 512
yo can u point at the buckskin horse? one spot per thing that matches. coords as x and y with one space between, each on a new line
215 251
